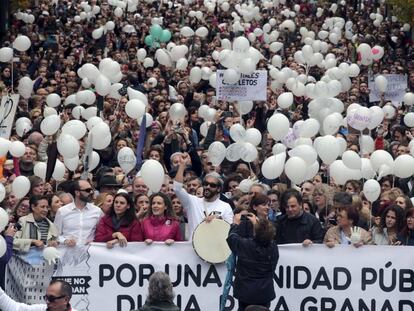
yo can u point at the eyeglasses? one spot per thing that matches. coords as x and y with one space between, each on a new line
53 298
87 190
210 184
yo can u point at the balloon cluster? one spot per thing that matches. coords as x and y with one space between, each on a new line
25 17
89 11
368 55
157 35
242 59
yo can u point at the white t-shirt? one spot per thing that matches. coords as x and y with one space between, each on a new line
195 208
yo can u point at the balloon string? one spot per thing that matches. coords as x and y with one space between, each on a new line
12 76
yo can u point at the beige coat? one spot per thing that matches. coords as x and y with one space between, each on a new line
334 234
29 232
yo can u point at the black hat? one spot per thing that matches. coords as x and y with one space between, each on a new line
108 181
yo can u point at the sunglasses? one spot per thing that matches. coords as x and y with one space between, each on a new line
87 190
53 298
210 184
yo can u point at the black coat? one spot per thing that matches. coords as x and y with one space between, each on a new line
255 267
406 239
299 229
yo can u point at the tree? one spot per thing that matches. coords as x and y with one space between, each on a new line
403 9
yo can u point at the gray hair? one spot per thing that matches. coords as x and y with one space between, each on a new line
216 176
160 288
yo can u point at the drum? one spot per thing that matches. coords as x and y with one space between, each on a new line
209 241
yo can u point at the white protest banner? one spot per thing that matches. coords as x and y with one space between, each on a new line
8 108
249 87
396 88
344 278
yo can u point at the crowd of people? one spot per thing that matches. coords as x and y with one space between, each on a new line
117 207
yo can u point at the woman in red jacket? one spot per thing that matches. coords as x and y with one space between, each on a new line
120 225
160 224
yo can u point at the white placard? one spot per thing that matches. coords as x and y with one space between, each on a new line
7 111
396 88
249 87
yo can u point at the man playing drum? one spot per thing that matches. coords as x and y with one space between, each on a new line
195 207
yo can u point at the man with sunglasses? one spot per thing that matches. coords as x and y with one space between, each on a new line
77 220
196 207
58 295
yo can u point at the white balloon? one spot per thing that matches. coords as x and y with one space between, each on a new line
20 186
238 132
50 125
285 100
177 112
17 149
186 31
72 163
295 169
75 128
134 94
376 117
352 160
59 171
234 151
135 108
153 174
359 118
249 152
273 166
201 32
93 161
231 76
68 146
103 85
148 62
309 128
381 83
195 75
40 170
367 171
327 148
25 87
305 152
367 144
22 43
182 64
253 136
53 100
126 159
4 217
278 126
6 54
372 190
216 153
409 119
408 99
389 111
244 107
312 170
3 246
89 112
404 166
380 157
4 146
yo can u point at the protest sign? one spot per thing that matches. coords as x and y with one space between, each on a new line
249 87
396 88
313 278
8 108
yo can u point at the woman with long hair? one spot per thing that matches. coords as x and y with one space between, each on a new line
160 223
406 236
392 222
120 226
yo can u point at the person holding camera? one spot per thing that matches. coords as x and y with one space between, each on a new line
8 235
257 255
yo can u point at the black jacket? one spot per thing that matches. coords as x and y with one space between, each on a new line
299 229
255 267
406 239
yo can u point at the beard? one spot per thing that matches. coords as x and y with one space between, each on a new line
86 198
208 194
